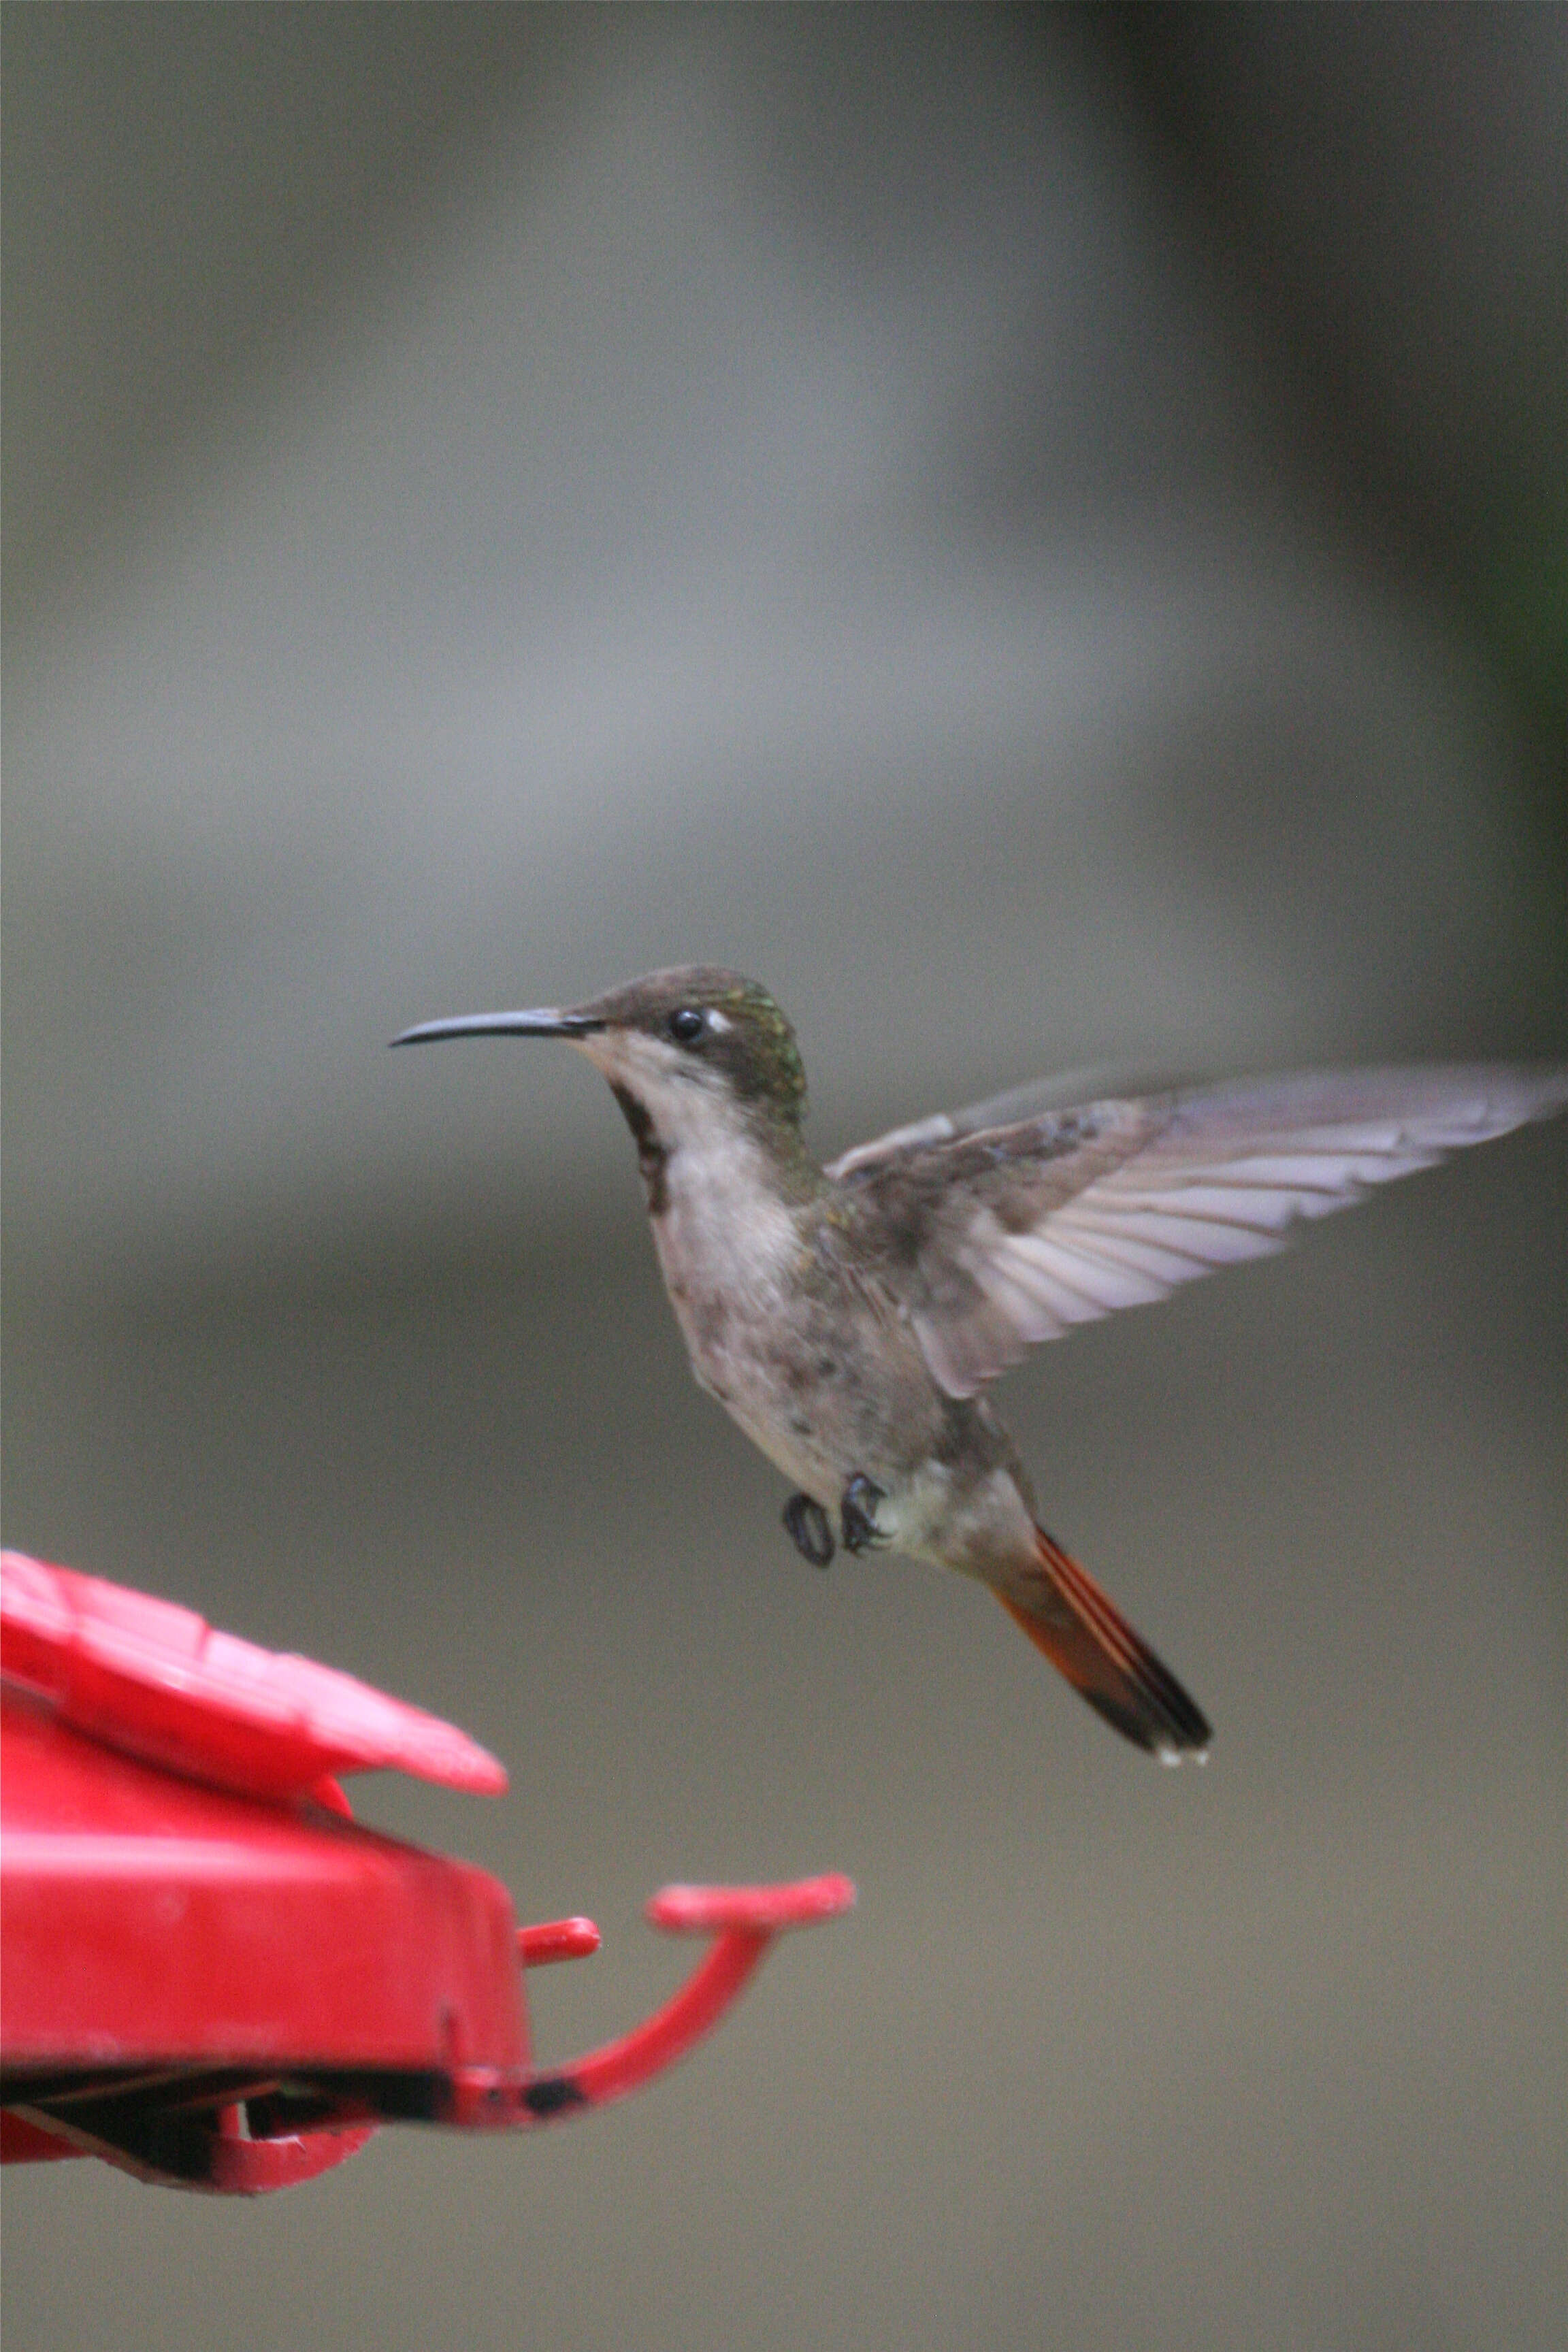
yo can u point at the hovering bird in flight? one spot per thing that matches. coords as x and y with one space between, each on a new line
849 1316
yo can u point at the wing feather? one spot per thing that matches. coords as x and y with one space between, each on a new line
996 1236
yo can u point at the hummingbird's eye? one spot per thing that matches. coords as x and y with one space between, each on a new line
687 1025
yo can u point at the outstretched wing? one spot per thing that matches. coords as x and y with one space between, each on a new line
995 1233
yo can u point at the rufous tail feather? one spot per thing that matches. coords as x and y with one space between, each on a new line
1086 1637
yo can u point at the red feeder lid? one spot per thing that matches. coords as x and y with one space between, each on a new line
155 1681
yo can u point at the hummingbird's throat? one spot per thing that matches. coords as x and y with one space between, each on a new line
653 1157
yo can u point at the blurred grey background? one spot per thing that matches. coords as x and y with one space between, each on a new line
1043 535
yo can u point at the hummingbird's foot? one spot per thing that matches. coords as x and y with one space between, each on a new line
858 1512
809 1529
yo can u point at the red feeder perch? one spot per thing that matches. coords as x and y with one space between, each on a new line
211 1977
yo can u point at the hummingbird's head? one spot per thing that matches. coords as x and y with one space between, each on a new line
698 1026
683 1045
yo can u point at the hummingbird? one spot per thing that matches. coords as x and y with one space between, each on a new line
850 1317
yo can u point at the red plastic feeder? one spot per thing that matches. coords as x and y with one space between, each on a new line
210 1975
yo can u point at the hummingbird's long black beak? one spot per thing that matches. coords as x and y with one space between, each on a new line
545 1022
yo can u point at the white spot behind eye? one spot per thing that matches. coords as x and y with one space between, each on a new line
717 1023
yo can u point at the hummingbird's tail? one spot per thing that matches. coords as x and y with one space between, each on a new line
1086 1637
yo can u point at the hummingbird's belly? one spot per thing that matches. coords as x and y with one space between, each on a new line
796 1402
825 1396
794 1376
826 1403
966 1512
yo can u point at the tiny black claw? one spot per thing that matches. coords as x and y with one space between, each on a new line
858 1511
810 1530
